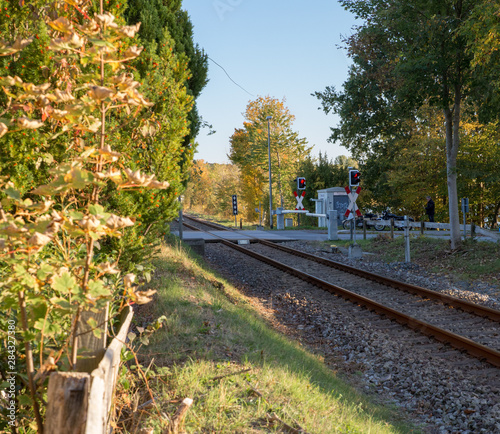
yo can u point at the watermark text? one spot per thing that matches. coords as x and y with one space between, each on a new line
222 7
10 392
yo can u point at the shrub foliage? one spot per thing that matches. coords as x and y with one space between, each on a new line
78 143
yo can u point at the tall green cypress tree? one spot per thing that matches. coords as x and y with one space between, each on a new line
157 15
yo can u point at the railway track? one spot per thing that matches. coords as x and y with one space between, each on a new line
466 326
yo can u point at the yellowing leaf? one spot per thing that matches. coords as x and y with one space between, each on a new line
62 25
39 240
26 123
130 31
72 2
143 297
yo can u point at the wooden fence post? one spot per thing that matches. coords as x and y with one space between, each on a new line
104 377
80 403
422 227
392 228
67 396
92 346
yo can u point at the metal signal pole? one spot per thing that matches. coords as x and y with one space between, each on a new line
270 179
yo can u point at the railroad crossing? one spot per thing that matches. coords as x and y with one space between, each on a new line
292 235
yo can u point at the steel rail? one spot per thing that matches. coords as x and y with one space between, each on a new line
448 300
212 225
459 342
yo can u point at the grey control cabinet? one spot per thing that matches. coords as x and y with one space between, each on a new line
329 199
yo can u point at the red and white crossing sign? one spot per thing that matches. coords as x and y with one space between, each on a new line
352 195
299 198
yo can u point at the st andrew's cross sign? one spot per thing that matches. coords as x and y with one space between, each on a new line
299 198
352 208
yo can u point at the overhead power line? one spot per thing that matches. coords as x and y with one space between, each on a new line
242 88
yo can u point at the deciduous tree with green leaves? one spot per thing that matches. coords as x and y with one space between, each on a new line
408 53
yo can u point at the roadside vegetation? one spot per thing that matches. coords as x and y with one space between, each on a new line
87 103
217 349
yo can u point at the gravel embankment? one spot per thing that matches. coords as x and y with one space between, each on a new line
446 397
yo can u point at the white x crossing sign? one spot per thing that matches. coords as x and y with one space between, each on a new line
352 208
299 198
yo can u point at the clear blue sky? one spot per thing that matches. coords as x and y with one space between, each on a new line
281 48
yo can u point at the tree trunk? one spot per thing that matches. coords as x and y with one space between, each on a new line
495 218
481 205
452 121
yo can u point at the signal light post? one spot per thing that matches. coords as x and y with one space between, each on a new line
235 208
354 178
301 183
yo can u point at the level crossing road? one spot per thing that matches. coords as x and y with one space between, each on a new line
297 235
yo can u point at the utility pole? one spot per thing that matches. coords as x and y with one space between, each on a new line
270 178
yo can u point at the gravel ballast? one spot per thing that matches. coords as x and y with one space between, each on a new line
444 396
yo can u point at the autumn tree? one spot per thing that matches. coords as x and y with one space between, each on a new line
249 151
479 171
211 187
197 193
482 32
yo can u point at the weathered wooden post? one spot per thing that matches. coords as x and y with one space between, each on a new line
93 347
67 396
80 402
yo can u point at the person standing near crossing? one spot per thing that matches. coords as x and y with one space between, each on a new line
429 209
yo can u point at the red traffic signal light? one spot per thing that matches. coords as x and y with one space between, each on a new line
301 183
354 177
